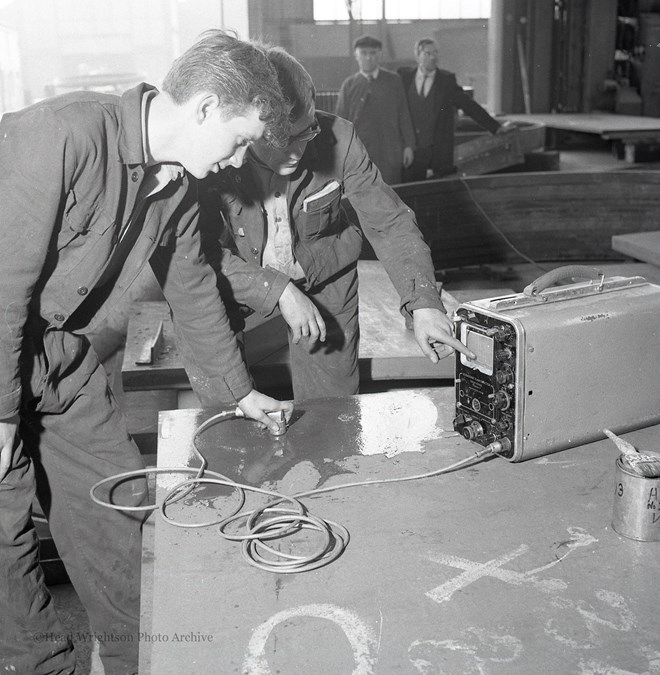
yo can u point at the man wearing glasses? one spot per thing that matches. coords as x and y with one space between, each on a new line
287 243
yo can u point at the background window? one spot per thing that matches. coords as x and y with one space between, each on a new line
401 10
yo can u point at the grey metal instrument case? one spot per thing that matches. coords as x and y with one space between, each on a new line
557 365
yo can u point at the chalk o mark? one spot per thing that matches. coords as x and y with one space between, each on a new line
626 618
553 632
424 665
504 649
625 623
653 655
592 667
359 634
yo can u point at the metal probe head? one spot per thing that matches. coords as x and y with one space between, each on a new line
278 417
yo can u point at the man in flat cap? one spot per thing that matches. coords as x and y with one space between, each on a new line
375 101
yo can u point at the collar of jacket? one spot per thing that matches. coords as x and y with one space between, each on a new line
243 180
316 149
130 125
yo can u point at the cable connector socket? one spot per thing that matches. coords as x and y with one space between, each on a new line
501 447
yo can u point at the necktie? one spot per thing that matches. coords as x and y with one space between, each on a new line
426 85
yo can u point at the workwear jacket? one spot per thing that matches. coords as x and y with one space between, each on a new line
335 166
379 111
448 97
70 169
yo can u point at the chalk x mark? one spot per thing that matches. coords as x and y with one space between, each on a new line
474 571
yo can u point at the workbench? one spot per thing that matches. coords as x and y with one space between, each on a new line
643 246
609 126
388 351
497 568
629 130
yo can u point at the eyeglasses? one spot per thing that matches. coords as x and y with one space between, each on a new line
307 135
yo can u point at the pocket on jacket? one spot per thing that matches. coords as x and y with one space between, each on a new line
66 362
80 219
322 221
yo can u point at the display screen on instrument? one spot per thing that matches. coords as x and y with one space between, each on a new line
481 345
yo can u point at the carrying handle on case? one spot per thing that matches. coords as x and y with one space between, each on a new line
560 274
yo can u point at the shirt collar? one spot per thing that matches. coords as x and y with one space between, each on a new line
144 106
130 144
373 75
420 74
167 171
172 171
255 160
263 174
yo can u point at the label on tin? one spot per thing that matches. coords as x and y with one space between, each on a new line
653 505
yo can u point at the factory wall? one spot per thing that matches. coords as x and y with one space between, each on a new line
79 37
463 46
326 48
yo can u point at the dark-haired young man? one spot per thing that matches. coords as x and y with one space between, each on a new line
287 243
92 187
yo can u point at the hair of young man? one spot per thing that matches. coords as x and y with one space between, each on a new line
296 83
420 44
238 73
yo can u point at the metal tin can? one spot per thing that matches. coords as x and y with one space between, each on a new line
636 505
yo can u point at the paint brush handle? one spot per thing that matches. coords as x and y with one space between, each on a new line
640 464
623 446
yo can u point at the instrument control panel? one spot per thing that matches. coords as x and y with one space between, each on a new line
486 386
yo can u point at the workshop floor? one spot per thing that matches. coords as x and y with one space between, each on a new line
142 408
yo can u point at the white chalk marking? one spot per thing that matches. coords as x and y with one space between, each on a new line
592 620
592 667
499 643
579 537
359 634
553 632
654 659
425 666
493 642
566 464
616 602
474 571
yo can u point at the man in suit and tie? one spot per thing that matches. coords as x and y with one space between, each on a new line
433 96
